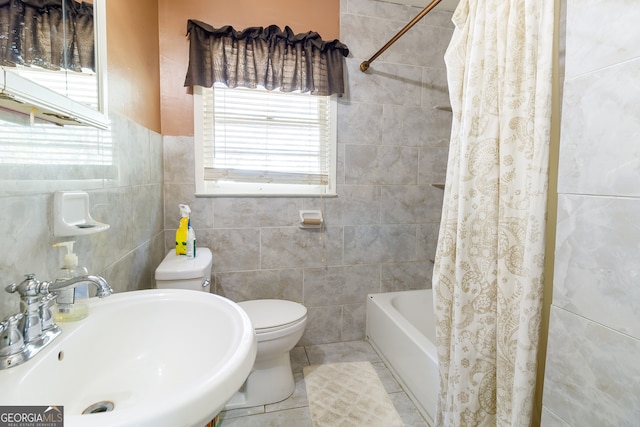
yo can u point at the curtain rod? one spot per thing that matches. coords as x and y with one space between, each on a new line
365 64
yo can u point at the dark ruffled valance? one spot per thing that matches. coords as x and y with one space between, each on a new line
268 57
32 33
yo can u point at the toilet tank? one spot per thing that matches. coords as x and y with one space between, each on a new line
180 272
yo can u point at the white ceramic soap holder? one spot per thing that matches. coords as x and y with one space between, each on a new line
311 219
71 215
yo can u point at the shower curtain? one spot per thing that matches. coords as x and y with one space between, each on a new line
488 269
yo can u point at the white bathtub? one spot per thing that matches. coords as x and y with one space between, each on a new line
401 328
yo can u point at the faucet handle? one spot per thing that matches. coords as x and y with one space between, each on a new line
11 288
29 287
46 316
48 298
11 340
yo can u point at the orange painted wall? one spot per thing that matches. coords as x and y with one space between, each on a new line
176 102
132 61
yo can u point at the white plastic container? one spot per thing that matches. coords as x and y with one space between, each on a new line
191 242
71 304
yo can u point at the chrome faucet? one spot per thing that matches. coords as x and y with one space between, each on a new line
24 334
103 288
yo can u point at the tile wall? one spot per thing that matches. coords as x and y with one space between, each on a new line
131 202
381 230
592 369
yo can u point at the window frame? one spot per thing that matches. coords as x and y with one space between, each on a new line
205 188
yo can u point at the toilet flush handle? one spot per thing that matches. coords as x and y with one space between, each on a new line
206 283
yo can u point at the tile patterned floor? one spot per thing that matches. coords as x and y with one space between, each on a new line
294 411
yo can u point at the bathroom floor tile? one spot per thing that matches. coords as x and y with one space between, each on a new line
297 400
242 412
294 411
407 410
351 351
299 359
390 384
298 417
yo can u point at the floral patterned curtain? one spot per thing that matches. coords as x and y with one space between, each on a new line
267 57
52 34
488 270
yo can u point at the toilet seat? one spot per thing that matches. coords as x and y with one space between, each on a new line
270 315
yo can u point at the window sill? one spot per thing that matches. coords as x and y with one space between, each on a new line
237 189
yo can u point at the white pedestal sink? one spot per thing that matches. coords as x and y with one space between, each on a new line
160 357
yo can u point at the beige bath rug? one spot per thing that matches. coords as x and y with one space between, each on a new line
348 394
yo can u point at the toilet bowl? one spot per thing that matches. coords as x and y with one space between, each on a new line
278 326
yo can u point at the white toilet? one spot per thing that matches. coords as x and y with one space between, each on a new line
278 325
180 272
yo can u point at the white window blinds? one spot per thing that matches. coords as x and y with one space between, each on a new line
88 150
269 137
81 87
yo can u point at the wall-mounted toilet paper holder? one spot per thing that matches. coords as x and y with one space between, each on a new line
311 219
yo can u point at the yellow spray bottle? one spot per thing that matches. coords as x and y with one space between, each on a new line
183 230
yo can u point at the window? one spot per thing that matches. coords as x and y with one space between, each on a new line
259 142
41 151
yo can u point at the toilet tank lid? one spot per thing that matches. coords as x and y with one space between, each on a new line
177 267
268 313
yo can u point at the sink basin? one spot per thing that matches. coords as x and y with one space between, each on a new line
160 357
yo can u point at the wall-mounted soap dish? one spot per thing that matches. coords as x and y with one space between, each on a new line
71 215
